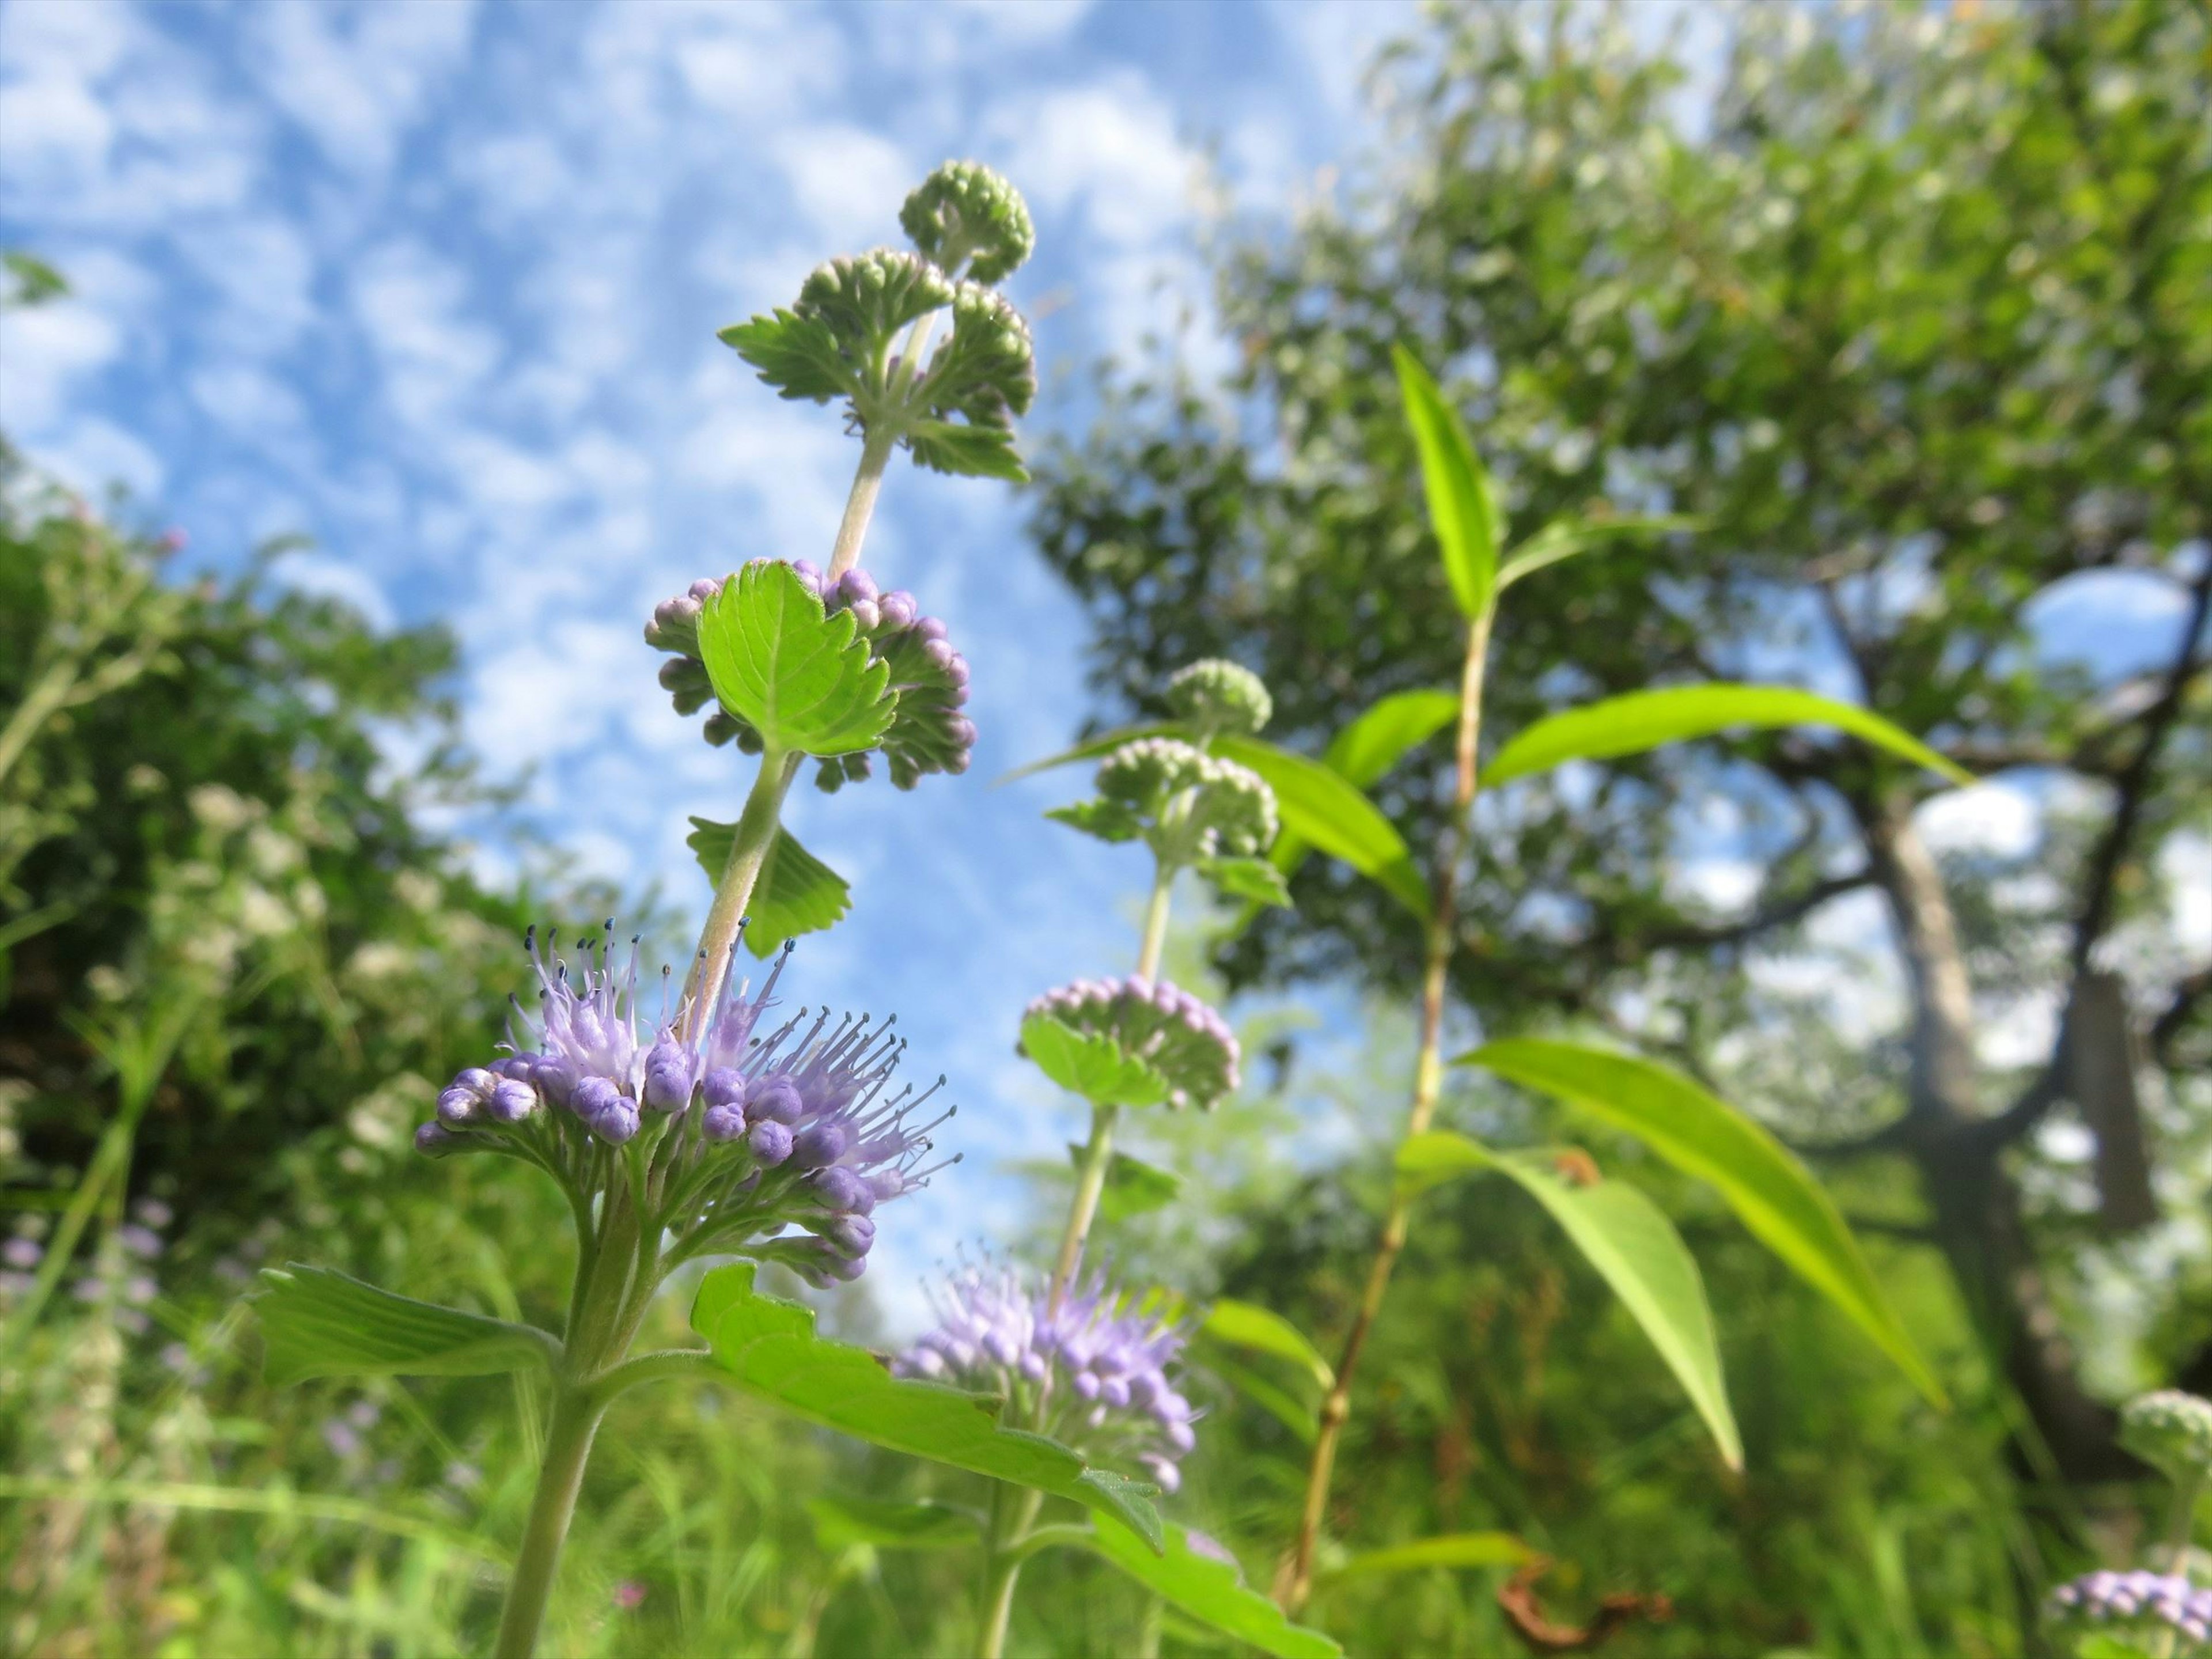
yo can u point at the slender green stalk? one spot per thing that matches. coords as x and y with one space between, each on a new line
560 1478
860 504
1013 1508
1295 1581
2181 1520
757 827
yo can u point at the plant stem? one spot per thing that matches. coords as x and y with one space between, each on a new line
1013 1509
1295 1583
757 827
560 1477
2181 1520
1156 924
860 503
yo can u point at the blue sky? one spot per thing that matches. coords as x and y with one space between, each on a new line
436 284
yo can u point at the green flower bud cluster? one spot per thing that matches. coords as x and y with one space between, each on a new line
964 211
1185 804
1215 695
2170 1430
855 330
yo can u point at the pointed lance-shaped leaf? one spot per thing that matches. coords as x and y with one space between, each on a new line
319 1323
840 1523
1564 538
1328 812
1773 1195
1246 1325
1201 1584
768 1348
1635 1250
1462 505
1458 1549
797 676
1631 724
1364 752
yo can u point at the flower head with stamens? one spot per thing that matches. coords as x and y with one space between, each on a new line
740 1136
2157 1607
1178 1034
1096 1366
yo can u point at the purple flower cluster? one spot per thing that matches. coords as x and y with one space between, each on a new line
1100 1361
929 733
1175 1033
2143 1600
794 1127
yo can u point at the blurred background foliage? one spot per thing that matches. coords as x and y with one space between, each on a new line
1915 314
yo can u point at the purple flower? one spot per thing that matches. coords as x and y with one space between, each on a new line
2144 1604
1176 1033
24 1254
1100 1359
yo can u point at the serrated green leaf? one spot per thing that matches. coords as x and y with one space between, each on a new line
966 450
768 1349
1254 880
316 1321
1635 1250
1459 1549
1462 506
1317 804
1133 1186
798 356
1773 1195
1206 1589
1644 720
1107 820
1092 1065
801 678
1563 539
1091 749
840 1523
1246 1325
797 893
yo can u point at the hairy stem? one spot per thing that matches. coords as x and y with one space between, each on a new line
1013 1508
860 504
1295 1583
560 1478
757 827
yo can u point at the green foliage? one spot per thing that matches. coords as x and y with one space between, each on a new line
1091 1064
1770 1192
1638 720
1634 1248
316 1321
1245 1325
1206 1589
839 1523
797 676
1566 539
1256 881
768 1348
797 892
1463 502
1322 809
1133 1186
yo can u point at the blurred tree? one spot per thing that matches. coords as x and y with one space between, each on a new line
1914 309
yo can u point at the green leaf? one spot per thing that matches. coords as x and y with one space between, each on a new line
1092 748
1293 1414
1770 1192
1092 1065
964 450
1107 820
1133 1186
839 1523
799 677
1256 880
319 1323
1328 812
1635 1250
1459 1549
798 356
1246 1325
2103 1645
768 1350
797 893
1563 539
1462 506
1367 749
1644 720
1208 1590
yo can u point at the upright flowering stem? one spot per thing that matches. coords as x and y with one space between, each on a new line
1295 1583
860 503
568 1447
757 827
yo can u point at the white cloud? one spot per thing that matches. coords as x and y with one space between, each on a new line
251 399
47 354
848 182
1993 818
358 77
334 578
408 301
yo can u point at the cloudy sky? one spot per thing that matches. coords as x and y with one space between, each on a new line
437 284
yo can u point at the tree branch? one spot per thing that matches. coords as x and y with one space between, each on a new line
1780 913
2166 1031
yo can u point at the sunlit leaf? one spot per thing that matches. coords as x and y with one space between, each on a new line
1090 1064
1459 1549
768 1348
1563 539
1329 813
1254 880
1133 1186
1301 1419
1107 820
1644 720
1635 1250
1369 747
798 356
799 677
1462 506
1208 1590
976 451
319 1323
839 1523
1770 1192
1246 1325
797 892
1093 749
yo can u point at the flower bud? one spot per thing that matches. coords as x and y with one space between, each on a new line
725 1122
818 1146
435 1140
668 1070
770 1142
614 1122
476 1079
457 1105
724 1087
898 608
554 1079
512 1102
775 1100
2171 1431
